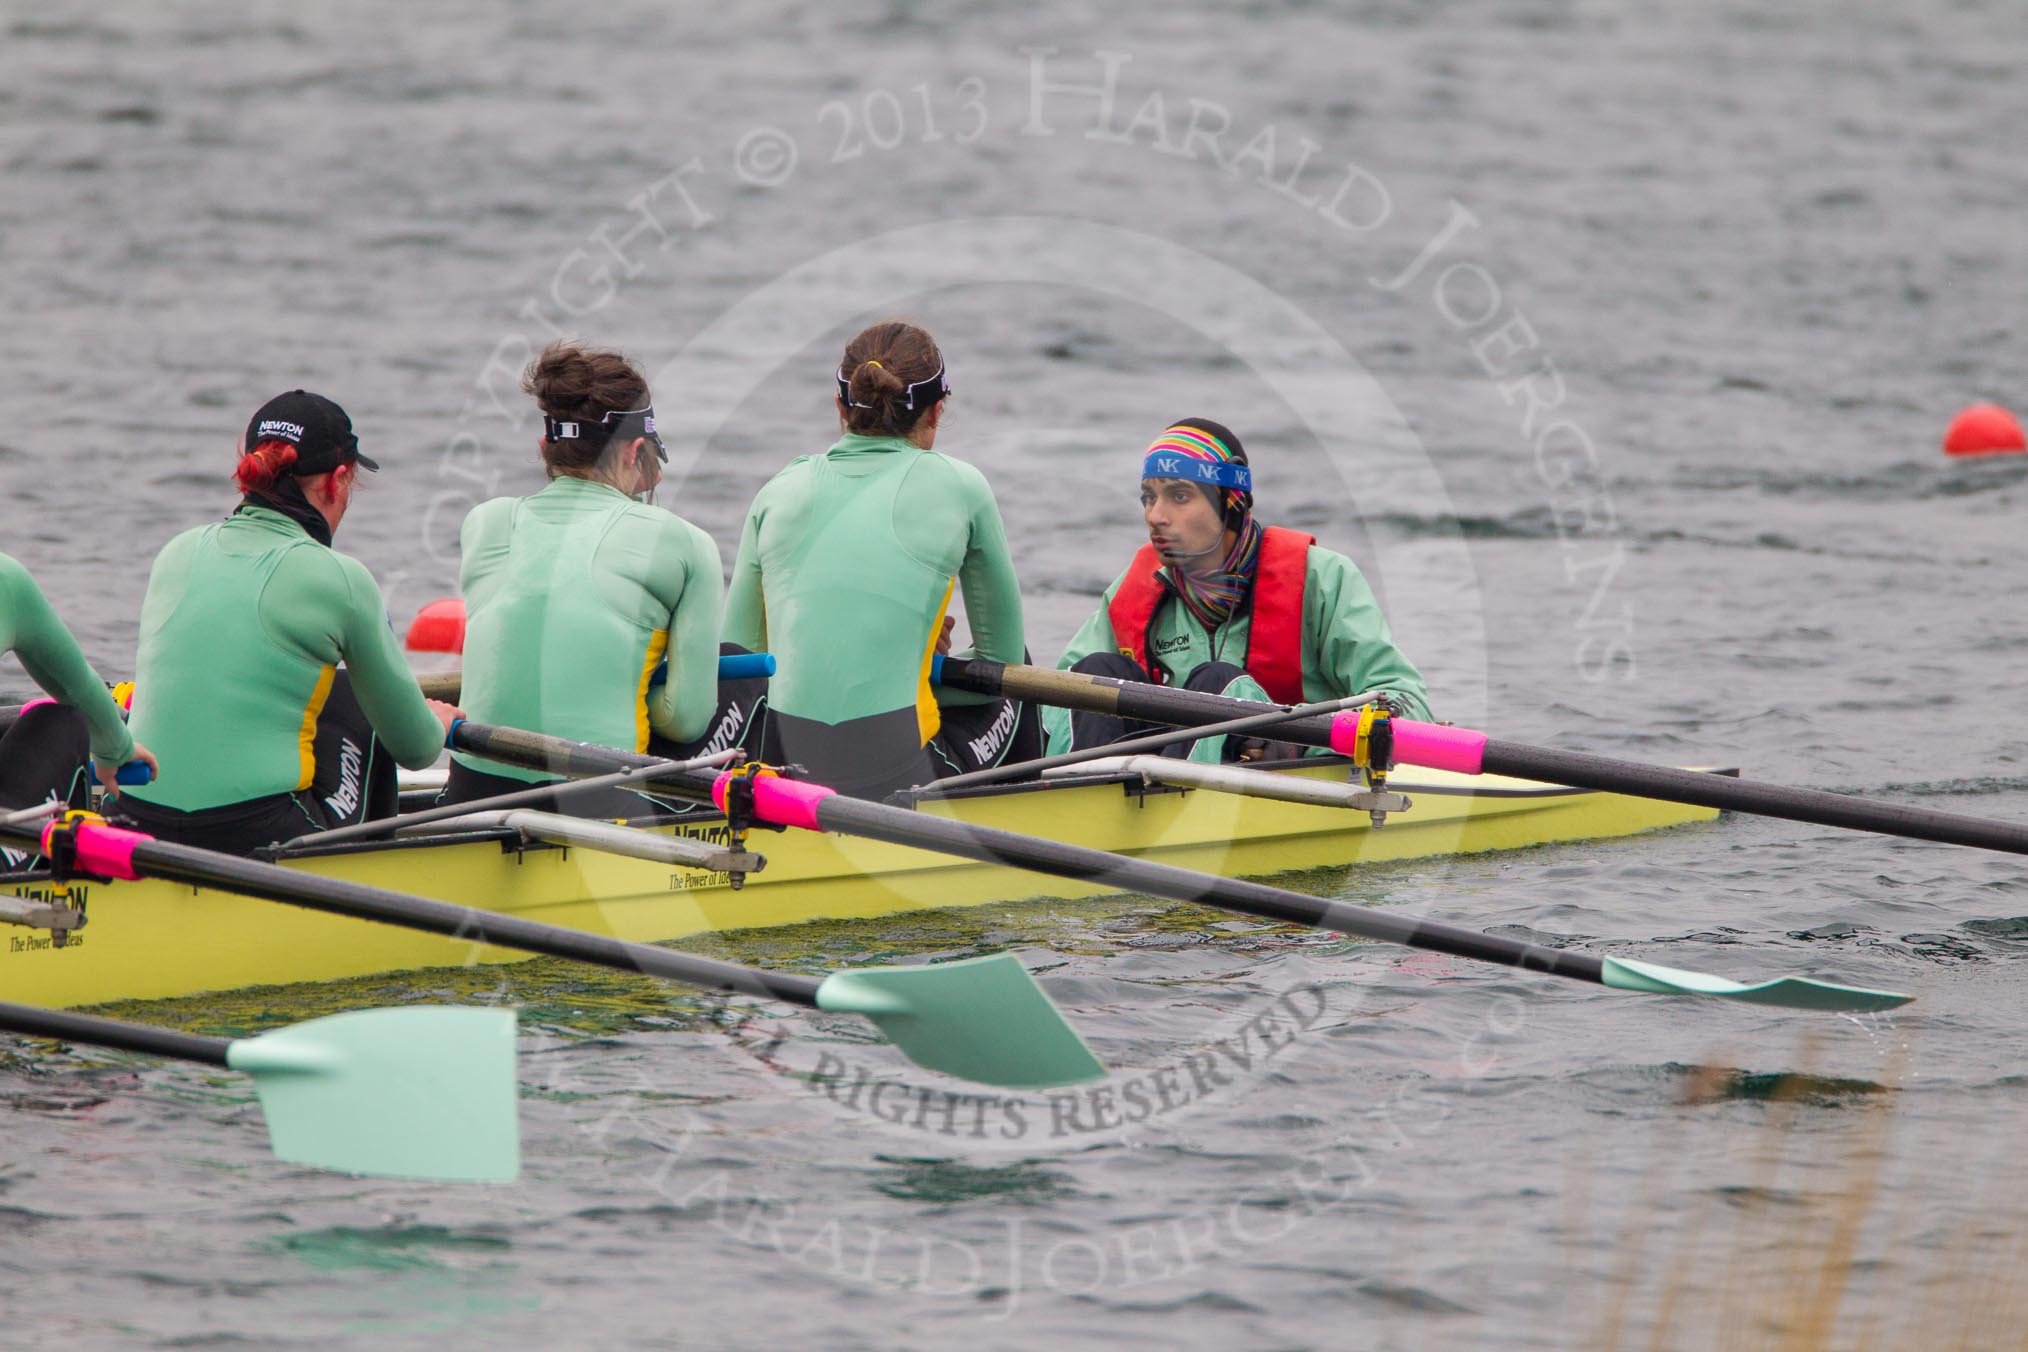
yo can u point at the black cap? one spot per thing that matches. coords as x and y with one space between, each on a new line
316 427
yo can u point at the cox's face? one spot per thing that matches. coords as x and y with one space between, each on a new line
1182 518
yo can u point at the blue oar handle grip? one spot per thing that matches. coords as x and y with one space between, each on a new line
937 669
133 772
745 666
732 667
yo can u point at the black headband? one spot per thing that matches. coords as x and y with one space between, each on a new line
623 425
936 388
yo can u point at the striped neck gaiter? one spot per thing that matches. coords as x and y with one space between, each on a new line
1212 597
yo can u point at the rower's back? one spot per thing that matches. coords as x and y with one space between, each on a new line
574 596
243 628
847 565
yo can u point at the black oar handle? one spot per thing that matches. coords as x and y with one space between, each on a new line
126 1037
1135 700
186 864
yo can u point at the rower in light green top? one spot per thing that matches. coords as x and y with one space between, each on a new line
576 594
846 569
244 627
30 630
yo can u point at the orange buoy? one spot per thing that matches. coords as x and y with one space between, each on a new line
439 627
1984 429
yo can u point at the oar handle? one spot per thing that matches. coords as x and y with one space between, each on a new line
133 772
127 1037
445 685
1133 700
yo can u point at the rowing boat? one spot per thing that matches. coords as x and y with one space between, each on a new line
152 939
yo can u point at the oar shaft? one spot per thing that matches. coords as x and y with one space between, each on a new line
1815 806
903 826
272 882
126 1037
1577 769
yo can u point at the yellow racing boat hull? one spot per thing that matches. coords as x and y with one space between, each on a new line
156 940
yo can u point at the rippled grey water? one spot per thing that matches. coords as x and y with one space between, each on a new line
1615 343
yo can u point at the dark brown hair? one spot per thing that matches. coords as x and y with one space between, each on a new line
879 366
581 384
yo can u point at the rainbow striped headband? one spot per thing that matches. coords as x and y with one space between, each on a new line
1194 454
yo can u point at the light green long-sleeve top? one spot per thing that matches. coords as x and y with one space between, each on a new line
30 630
846 567
573 595
242 631
1347 647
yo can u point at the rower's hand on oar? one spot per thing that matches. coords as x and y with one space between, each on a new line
944 639
447 714
109 772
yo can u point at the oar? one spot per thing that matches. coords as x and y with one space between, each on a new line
787 802
445 685
1258 721
534 793
981 1019
409 1093
1442 747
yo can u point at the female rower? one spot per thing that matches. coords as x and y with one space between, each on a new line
243 630
42 755
1215 601
846 568
576 595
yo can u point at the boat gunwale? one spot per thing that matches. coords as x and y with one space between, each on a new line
512 841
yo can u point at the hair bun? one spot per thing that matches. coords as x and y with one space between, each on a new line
883 362
873 384
572 382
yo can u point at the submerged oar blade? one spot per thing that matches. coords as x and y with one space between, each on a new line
408 1093
981 1019
1790 992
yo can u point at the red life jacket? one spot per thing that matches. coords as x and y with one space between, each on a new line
1274 644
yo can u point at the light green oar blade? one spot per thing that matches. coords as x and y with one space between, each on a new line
981 1019
413 1093
1790 992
